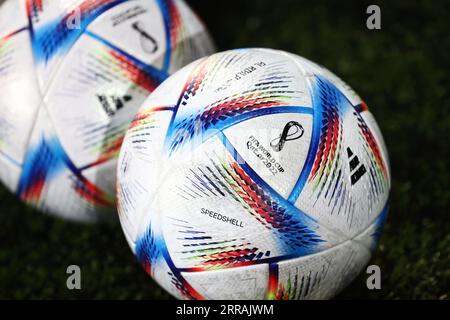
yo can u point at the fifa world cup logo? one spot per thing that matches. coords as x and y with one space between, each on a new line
291 131
148 43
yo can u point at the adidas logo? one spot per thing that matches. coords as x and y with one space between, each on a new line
357 169
112 104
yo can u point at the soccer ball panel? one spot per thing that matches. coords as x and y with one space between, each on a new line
135 27
275 146
310 68
246 283
202 210
206 200
144 143
321 275
17 110
95 94
51 182
349 177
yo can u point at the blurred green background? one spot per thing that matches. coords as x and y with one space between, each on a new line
401 71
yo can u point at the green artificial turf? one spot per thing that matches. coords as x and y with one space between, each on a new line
401 71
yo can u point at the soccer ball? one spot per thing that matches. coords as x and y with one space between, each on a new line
72 75
253 174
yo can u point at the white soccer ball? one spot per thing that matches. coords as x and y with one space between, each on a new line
253 174
72 75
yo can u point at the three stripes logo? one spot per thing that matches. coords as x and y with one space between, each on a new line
112 104
357 169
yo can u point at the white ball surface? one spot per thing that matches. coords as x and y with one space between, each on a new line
253 174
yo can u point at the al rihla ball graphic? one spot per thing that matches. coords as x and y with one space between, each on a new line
253 174
72 75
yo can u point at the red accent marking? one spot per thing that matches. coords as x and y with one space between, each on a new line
176 23
273 282
364 106
92 193
34 192
133 72
328 143
143 115
370 139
